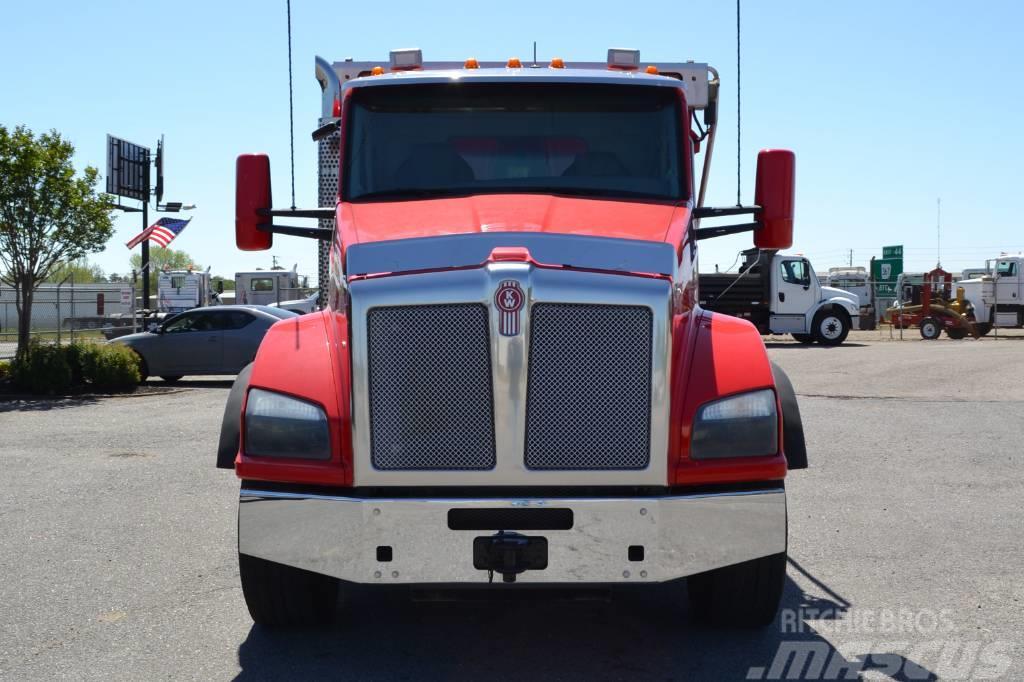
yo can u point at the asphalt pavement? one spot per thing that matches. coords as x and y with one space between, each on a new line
117 548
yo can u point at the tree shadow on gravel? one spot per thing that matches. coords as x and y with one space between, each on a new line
637 634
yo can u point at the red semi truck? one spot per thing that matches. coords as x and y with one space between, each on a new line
512 383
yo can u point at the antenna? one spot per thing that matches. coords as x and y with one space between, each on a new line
291 107
739 202
535 53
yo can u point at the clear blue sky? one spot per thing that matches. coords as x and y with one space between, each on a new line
888 104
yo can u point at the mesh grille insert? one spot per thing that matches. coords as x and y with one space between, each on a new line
431 405
588 403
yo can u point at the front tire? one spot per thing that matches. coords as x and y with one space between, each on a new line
831 327
744 595
282 596
931 329
143 367
806 339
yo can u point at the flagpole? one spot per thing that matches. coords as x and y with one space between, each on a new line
145 256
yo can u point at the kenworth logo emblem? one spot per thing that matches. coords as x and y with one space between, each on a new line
509 299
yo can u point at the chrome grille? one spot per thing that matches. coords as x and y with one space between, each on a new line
588 402
431 404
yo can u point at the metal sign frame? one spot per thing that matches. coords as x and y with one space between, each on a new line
127 169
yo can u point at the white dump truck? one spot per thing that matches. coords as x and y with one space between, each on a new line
781 294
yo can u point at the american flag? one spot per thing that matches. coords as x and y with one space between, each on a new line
162 232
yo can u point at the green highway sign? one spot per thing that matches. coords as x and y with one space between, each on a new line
884 272
892 251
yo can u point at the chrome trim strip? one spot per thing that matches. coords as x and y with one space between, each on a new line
465 250
681 535
509 358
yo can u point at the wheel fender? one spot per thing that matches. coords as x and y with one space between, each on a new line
838 305
227 447
793 444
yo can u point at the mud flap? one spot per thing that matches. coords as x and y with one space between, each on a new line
792 427
230 425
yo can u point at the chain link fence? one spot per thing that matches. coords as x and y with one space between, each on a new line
68 313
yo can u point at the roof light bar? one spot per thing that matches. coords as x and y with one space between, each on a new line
623 58
406 59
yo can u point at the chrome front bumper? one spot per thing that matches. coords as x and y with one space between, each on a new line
681 535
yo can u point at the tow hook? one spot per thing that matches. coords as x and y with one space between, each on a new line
509 554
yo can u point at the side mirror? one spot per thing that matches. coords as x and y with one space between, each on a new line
155 328
773 192
252 194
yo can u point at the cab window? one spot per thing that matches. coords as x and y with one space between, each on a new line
794 272
261 284
1007 268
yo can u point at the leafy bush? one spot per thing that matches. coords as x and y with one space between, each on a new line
57 369
43 369
5 369
111 367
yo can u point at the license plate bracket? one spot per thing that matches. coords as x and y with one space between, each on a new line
510 554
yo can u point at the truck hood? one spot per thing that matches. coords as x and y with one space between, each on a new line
832 292
646 220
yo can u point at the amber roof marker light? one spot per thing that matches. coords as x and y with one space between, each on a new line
557 63
514 63
471 63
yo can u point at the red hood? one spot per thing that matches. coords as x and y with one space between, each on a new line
511 213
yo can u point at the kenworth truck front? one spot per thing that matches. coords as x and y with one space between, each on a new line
512 383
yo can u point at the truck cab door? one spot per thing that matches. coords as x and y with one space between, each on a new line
793 295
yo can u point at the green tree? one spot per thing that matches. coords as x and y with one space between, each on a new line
79 271
48 214
160 259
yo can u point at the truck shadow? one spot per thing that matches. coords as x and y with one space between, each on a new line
637 634
794 345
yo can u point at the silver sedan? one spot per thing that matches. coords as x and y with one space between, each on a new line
213 340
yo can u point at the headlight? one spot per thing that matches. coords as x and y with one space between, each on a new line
744 425
279 426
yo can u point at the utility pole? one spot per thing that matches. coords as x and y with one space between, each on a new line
851 258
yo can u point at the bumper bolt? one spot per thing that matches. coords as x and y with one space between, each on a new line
625 574
643 511
376 512
643 574
376 574
394 574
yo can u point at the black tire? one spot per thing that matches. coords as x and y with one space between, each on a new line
983 328
171 378
743 595
806 339
956 333
143 368
831 326
282 596
930 328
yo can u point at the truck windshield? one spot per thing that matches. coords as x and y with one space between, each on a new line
415 141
